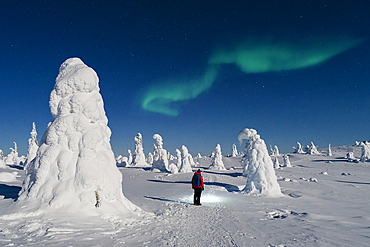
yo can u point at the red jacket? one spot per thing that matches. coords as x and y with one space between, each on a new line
197 181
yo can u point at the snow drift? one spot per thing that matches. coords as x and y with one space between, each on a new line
74 167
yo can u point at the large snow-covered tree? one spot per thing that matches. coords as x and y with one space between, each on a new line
75 169
261 178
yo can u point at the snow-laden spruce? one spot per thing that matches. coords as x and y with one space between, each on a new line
261 178
32 146
234 151
365 151
75 169
178 155
139 156
329 151
217 163
160 160
185 160
2 163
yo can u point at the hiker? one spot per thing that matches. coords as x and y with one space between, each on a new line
198 186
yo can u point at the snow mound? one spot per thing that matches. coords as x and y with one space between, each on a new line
74 167
8 176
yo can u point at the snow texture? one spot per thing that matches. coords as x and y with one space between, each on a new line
217 163
261 178
185 160
139 156
75 168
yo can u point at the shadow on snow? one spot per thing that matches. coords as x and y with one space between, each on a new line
9 191
166 200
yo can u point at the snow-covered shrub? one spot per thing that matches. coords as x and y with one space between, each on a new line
185 160
261 178
234 151
299 149
75 164
217 163
287 161
199 156
32 146
160 159
139 156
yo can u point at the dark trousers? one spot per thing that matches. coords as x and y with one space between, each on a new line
197 195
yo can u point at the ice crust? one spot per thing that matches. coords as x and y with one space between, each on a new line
74 167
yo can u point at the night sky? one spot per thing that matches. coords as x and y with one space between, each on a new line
195 72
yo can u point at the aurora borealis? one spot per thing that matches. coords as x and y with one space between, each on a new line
195 72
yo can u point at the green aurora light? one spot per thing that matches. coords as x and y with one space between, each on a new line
251 56
267 55
160 97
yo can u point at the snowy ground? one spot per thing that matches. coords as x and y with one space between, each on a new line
326 203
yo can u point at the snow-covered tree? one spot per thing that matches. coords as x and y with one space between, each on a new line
185 160
312 149
2 163
139 156
75 169
217 163
261 178
234 151
365 154
32 146
192 162
329 151
276 162
178 154
149 159
160 159
129 160
12 158
287 161
299 149
121 161
199 156
173 168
